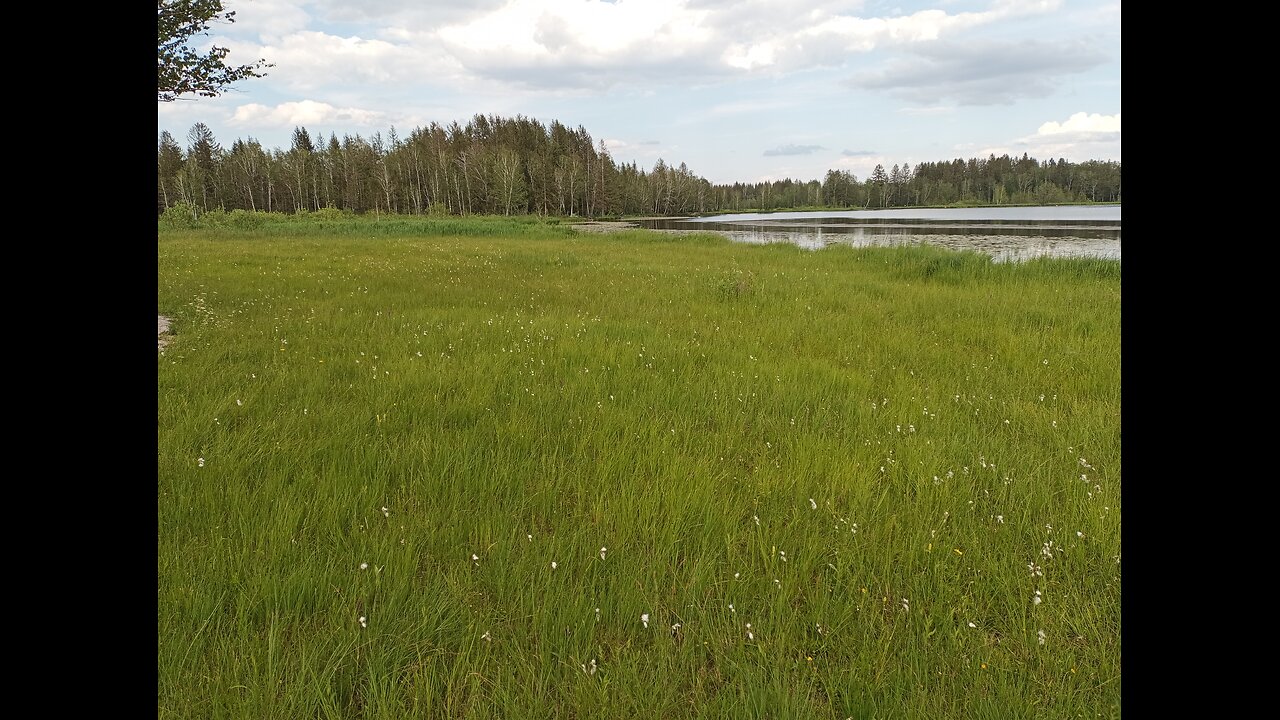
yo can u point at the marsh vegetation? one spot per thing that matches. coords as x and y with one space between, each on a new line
494 467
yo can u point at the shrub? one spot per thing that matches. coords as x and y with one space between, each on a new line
736 283
180 215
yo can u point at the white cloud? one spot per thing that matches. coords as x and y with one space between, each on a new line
303 113
1083 136
599 44
792 149
864 34
309 60
556 30
270 19
862 165
1082 123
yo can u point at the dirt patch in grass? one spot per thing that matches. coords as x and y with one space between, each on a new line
163 330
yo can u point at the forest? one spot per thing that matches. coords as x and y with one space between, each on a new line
518 166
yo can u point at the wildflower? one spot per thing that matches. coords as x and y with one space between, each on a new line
905 605
1079 534
362 622
736 575
1040 634
782 554
756 518
820 630
972 625
486 636
750 635
1037 599
602 552
530 537
597 614
553 564
675 629
386 512
475 559
364 566
731 608
813 505
238 402
645 619
590 669
200 462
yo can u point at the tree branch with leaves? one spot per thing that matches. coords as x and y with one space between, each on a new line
181 69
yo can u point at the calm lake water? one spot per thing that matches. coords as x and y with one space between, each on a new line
1006 234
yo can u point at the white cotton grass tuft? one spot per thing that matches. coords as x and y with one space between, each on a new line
812 505
364 566
554 565
1037 599
750 635
200 462
603 550
362 620
486 636
1040 634
645 619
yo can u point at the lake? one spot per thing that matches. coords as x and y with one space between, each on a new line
1007 234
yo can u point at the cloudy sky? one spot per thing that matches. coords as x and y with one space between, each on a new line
739 90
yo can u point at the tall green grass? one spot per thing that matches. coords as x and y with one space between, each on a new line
876 457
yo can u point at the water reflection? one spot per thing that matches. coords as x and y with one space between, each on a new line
1006 234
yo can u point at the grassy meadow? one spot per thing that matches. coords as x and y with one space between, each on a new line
492 468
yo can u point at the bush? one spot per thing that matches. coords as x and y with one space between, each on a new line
736 283
246 220
181 215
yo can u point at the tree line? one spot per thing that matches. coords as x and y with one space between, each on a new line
514 166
